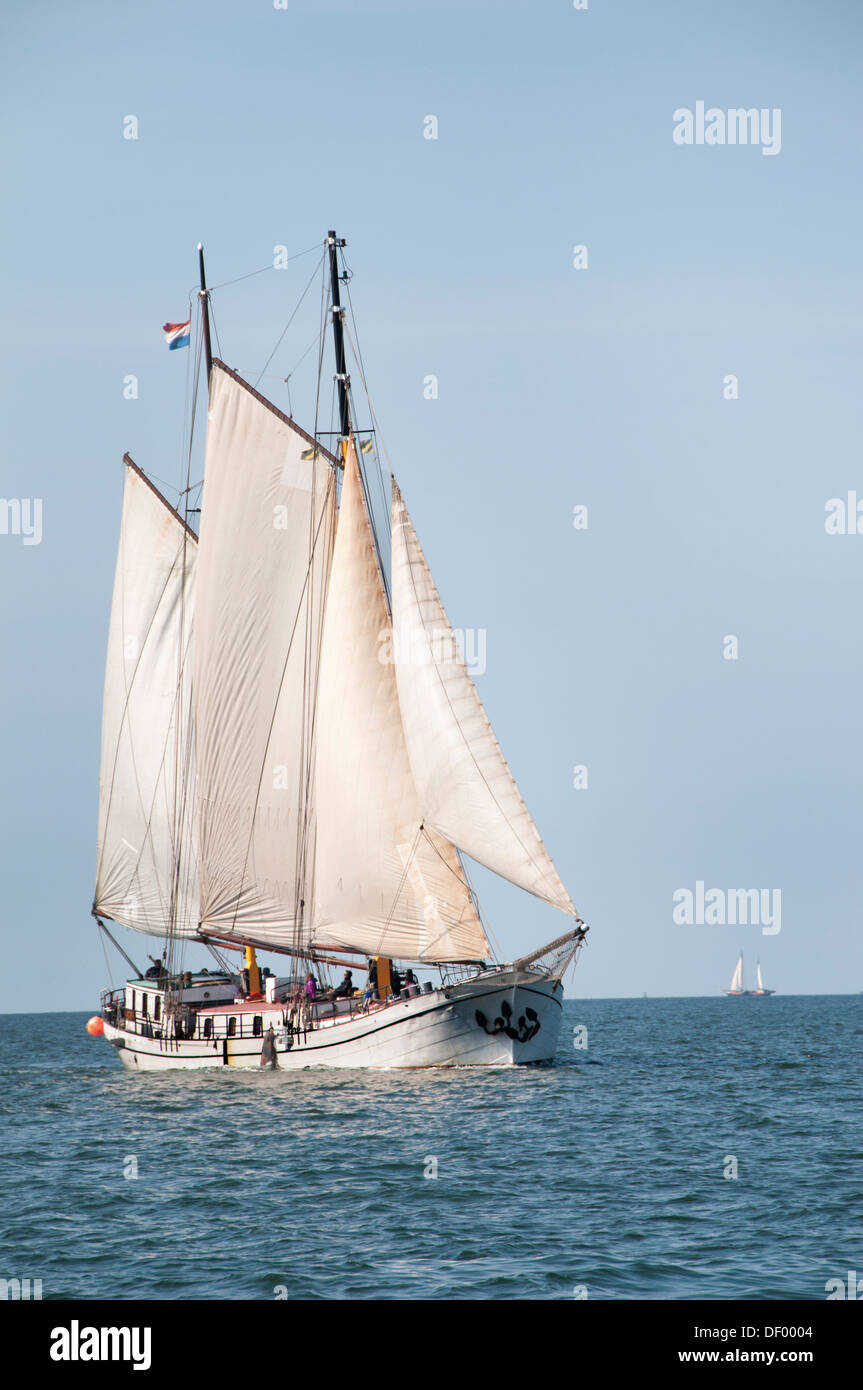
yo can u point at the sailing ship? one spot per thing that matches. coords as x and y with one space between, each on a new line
759 990
737 990
295 760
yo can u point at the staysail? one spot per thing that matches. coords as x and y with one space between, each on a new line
384 882
737 977
267 520
146 872
466 790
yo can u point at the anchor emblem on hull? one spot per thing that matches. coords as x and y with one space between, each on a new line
528 1023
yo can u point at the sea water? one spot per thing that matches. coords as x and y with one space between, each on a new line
677 1149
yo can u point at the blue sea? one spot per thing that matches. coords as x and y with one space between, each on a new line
609 1175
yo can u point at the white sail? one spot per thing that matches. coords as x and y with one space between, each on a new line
383 883
466 789
759 983
146 816
267 516
737 977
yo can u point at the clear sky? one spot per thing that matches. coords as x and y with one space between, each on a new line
558 386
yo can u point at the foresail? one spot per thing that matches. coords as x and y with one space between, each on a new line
146 815
383 883
267 518
466 790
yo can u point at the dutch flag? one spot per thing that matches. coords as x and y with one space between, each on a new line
177 334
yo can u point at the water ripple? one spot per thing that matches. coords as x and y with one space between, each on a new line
610 1170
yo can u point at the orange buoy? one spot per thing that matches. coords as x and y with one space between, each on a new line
95 1026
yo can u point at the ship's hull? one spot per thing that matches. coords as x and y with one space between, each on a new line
499 1019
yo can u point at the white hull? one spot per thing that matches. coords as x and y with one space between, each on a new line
440 1029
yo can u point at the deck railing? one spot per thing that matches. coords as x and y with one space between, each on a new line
296 1016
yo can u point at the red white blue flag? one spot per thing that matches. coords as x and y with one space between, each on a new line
177 334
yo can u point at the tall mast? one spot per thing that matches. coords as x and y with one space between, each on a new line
205 312
339 336
344 383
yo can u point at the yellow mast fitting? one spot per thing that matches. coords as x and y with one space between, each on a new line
254 971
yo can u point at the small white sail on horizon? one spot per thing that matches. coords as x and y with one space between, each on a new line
736 986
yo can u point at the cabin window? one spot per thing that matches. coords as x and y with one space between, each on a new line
144 1005
208 1027
232 1027
133 1000
258 1026
157 1008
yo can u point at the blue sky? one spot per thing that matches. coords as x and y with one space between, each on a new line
557 386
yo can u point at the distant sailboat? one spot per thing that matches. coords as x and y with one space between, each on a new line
736 989
759 990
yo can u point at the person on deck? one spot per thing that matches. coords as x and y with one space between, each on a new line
311 988
395 982
371 991
346 988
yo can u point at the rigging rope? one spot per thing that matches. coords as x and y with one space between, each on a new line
405 870
384 502
215 330
464 878
354 341
290 320
105 954
264 268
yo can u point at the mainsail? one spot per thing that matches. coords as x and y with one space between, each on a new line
759 983
146 873
267 519
466 790
384 882
737 978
